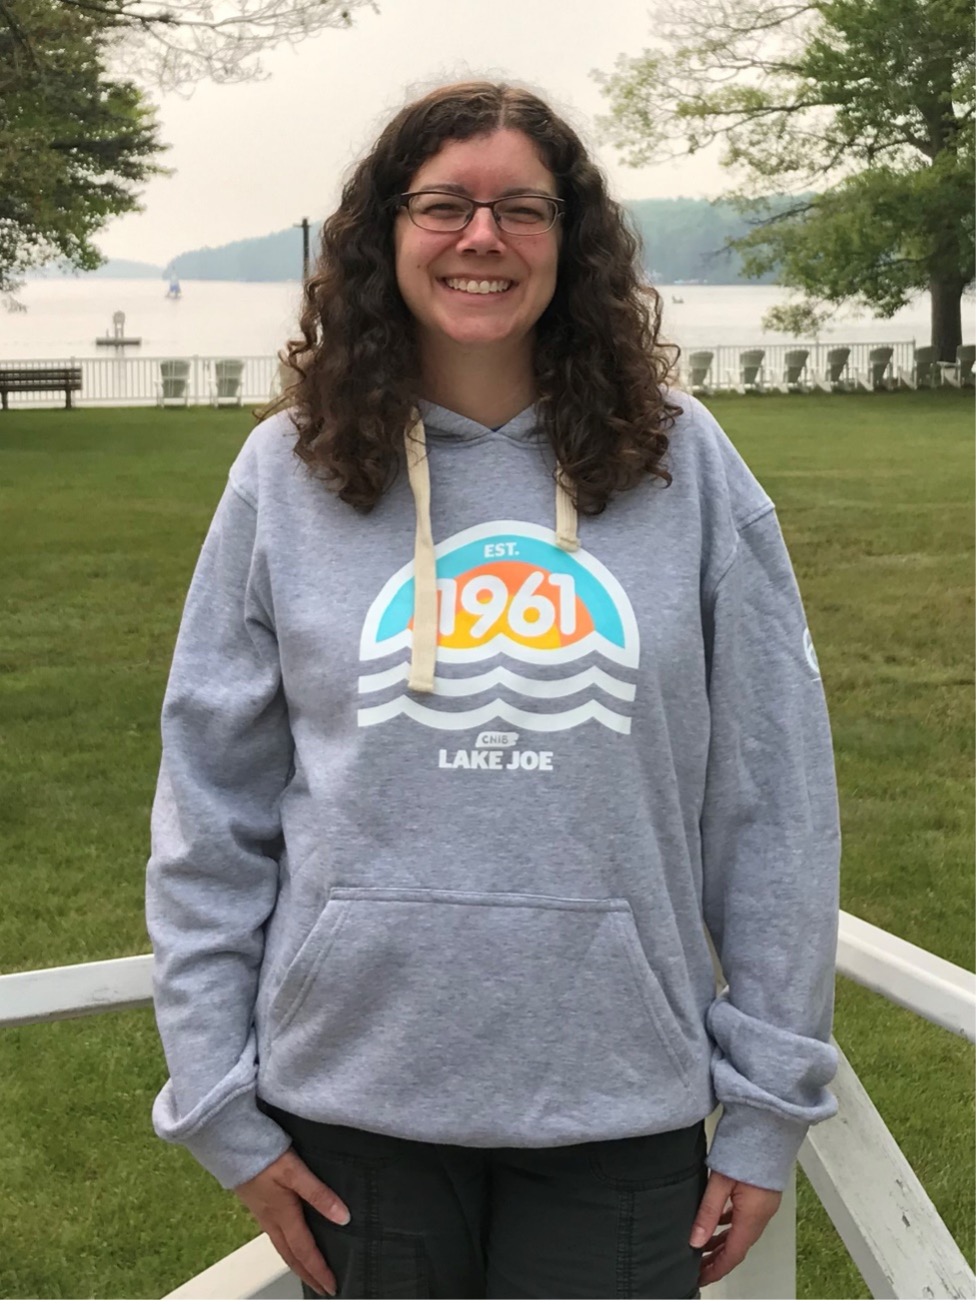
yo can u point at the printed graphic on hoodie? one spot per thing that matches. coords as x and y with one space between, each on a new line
506 591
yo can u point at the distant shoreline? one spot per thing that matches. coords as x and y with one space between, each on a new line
682 241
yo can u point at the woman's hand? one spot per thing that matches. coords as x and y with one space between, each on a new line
736 1228
275 1196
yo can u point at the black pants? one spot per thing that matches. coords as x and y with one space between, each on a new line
602 1220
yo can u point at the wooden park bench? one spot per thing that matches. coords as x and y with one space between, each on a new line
36 380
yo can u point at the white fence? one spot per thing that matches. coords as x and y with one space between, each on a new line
138 381
884 1216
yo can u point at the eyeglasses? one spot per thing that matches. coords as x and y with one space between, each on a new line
434 210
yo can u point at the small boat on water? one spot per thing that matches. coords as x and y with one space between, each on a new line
174 292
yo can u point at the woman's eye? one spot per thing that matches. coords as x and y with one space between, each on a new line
440 209
525 212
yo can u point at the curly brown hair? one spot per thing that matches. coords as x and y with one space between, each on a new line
600 365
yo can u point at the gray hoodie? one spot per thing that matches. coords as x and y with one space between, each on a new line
450 802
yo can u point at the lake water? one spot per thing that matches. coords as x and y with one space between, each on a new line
216 318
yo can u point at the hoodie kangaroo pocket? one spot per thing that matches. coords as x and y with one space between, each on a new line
485 1018
305 967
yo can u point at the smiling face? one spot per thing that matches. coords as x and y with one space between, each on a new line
443 277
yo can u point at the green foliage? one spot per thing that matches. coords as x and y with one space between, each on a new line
876 238
74 143
868 102
796 319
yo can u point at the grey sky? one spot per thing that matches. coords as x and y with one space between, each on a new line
255 158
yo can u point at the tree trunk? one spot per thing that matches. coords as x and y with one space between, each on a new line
947 327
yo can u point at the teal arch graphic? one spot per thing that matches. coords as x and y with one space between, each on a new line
534 552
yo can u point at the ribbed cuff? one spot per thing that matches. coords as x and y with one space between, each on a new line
756 1146
237 1142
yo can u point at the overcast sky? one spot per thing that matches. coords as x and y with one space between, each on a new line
254 158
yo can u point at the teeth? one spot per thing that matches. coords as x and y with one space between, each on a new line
479 287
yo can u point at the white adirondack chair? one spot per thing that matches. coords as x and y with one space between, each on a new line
794 371
925 373
836 376
879 369
699 371
174 384
750 371
227 385
961 372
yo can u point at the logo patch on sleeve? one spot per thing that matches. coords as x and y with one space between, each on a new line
810 653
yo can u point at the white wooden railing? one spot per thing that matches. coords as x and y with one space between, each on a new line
138 381
886 1220
135 381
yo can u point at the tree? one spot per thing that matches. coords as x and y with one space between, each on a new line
796 319
74 144
863 109
174 45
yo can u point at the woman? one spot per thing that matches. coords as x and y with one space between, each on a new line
493 688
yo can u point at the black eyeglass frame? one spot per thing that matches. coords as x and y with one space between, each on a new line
402 202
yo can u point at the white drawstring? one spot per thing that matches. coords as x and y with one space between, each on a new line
421 675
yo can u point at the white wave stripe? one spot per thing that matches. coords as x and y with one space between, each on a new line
594 677
495 710
537 656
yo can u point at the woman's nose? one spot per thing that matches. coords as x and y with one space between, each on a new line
481 232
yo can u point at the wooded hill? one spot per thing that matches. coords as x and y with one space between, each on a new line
683 240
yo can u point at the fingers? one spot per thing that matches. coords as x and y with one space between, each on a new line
720 1263
275 1198
310 1268
717 1240
301 1249
309 1188
710 1209
306 1252
752 1208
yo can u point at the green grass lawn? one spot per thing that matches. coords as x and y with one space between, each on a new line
103 514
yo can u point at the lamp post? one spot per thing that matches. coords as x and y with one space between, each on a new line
305 224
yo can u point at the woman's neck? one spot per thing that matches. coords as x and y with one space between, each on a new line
476 384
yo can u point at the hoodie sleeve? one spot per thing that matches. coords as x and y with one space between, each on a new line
771 852
212 877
